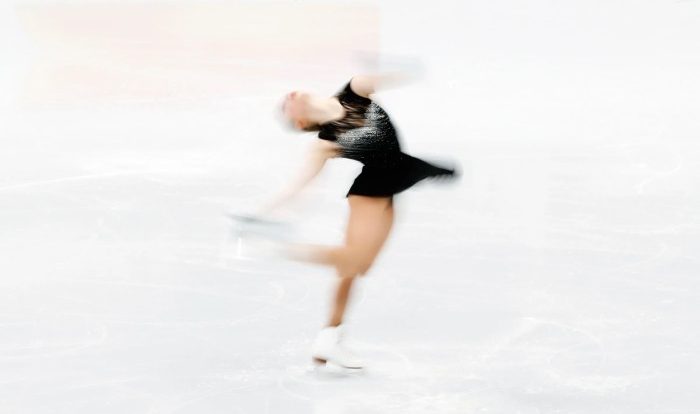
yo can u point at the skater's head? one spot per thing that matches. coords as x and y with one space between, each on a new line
298 109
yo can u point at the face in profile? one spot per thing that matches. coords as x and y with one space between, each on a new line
296 108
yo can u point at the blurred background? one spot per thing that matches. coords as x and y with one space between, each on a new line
559 275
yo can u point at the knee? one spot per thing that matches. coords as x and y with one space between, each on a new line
346 281
364 262
357 261
364 267
358 268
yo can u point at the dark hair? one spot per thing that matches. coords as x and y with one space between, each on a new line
354 118
312 128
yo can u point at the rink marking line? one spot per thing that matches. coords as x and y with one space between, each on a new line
184 289
528 325
285 389
84 177
309 377
656 175
280 290
176 406
265 304
268 309
71 348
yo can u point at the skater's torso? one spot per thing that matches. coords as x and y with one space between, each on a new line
365 133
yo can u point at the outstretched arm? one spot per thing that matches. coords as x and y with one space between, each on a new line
385 71
316 158
366 85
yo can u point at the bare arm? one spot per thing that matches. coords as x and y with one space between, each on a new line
366 85
316 158
385 72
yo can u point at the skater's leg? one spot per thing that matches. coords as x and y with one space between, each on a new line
340 301
358 234
318 254
368 226
368 230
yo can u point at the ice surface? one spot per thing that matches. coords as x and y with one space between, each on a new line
559 276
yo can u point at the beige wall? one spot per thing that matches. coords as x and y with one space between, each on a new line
174 52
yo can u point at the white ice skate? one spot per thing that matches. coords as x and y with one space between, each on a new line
327 349
258 237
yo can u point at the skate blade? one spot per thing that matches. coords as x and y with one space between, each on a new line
330 368
247 225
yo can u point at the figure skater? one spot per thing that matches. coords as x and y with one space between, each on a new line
351 125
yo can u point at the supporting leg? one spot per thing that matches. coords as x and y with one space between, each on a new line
341 300
365 237
368 228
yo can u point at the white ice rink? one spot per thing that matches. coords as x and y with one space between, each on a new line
560 275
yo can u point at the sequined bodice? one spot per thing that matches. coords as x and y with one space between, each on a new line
366 133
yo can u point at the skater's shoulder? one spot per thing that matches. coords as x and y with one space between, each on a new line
366 86
355 91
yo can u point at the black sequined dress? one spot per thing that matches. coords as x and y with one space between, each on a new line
367 135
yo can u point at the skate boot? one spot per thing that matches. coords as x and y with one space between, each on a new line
261 226
259 238
328 349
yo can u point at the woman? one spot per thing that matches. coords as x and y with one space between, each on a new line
351 125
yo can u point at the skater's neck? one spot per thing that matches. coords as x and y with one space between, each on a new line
325 110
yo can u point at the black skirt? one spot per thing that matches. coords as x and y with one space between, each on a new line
387 180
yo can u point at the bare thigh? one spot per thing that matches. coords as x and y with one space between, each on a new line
369 225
